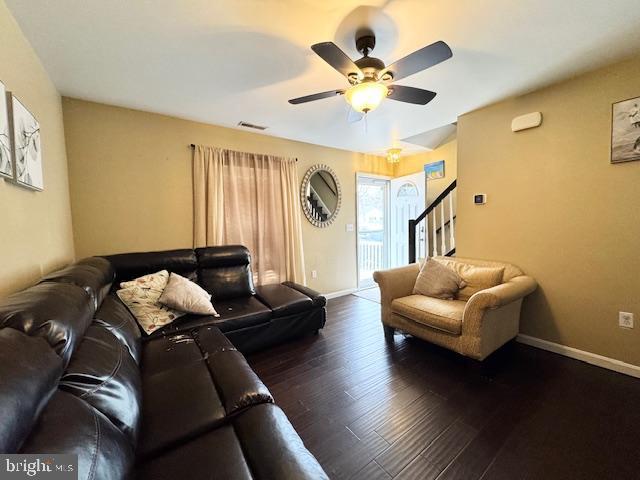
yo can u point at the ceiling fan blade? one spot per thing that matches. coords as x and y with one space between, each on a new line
414 95
335 57
419 60
315 96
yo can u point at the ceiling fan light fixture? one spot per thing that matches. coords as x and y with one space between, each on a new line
366 96
393 155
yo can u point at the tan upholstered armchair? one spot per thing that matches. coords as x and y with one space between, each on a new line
474 327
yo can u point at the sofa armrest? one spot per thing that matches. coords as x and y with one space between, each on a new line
318 299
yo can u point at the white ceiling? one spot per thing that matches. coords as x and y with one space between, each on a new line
223 61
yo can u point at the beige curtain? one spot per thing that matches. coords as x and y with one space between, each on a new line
252 200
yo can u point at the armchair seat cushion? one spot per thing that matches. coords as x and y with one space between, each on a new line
445 315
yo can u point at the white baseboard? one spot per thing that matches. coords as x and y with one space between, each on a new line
340 293
588 357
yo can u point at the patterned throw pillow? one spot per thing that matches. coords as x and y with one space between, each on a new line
141 298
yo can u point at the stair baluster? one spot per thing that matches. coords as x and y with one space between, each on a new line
422 243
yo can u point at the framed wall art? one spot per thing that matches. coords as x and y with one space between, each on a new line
625 131
27 153
434 170
6 157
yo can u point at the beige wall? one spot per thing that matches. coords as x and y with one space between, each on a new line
558 209
130 176
415 163
36 226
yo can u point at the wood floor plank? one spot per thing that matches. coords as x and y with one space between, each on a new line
408 409
371 471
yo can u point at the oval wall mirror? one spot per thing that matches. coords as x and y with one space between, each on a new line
320 195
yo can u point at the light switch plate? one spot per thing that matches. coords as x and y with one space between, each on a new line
349 227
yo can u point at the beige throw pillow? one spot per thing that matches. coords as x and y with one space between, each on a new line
476 278
184 295
437 280
141 298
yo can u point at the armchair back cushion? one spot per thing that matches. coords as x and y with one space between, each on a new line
475 277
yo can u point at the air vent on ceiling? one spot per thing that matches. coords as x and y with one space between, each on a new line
251 125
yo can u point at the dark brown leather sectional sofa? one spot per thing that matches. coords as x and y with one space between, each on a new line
77 376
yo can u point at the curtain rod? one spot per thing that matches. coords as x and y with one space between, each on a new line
192 145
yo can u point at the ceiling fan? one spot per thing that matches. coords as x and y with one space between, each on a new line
370 80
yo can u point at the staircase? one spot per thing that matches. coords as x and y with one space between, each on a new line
433 232
317 207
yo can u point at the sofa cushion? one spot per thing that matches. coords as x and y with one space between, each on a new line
240 313
225 272
103 265
103 374
29 374
68 425
215 455
58 312
445 315
167 352
94 277
236 313
133 265
178 405
260 444
283 300
115 316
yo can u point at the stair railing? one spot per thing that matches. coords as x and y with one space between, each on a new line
427 224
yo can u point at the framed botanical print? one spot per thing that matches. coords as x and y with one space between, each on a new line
27 153
625 131
6 157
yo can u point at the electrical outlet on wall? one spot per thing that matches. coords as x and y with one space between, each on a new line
625 319
314 274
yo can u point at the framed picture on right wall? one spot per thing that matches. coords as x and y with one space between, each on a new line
625 131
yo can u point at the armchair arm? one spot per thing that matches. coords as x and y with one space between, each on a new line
397 282
503 294
491 316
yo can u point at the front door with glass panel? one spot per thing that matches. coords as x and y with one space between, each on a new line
372 196
406 201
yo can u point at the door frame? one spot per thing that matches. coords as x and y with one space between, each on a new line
387 179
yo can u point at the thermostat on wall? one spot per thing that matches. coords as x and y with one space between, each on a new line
480 198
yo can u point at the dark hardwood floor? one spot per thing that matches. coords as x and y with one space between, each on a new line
370 410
